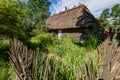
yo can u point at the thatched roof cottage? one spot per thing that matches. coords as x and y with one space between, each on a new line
71 21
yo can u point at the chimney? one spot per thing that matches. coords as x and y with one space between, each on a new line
66 8
79 3
74 6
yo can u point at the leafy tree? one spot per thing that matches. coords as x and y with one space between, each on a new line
20 19
39 12
111 17
115 15
104 18
12 18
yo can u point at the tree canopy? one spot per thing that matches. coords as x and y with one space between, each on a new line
12 18
39 12
18 18
111 17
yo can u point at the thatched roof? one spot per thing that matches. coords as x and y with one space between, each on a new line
77 17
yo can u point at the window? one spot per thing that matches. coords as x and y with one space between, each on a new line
59 34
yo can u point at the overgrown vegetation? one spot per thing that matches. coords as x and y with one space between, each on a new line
72 58
63 58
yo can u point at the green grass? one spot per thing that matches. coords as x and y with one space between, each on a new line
72 56
7 71
70 52
4 68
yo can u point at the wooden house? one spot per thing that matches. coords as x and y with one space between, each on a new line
76 22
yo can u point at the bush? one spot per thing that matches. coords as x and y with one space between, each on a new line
4 44
95 38
4 68
41 41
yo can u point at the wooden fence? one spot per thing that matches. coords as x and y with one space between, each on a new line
28 67
109 52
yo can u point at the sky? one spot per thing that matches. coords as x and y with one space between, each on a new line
95 6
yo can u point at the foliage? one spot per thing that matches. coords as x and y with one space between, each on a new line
115 13
39 12
4 61
18 19
27 21
12 21
4 44
104 18
23 20
4 48
41 41
4 68
111 17
68 57
71 52
95 37
12 73
63 61
7 70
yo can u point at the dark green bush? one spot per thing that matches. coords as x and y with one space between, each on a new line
41 41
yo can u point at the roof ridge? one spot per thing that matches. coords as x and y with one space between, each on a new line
81 5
